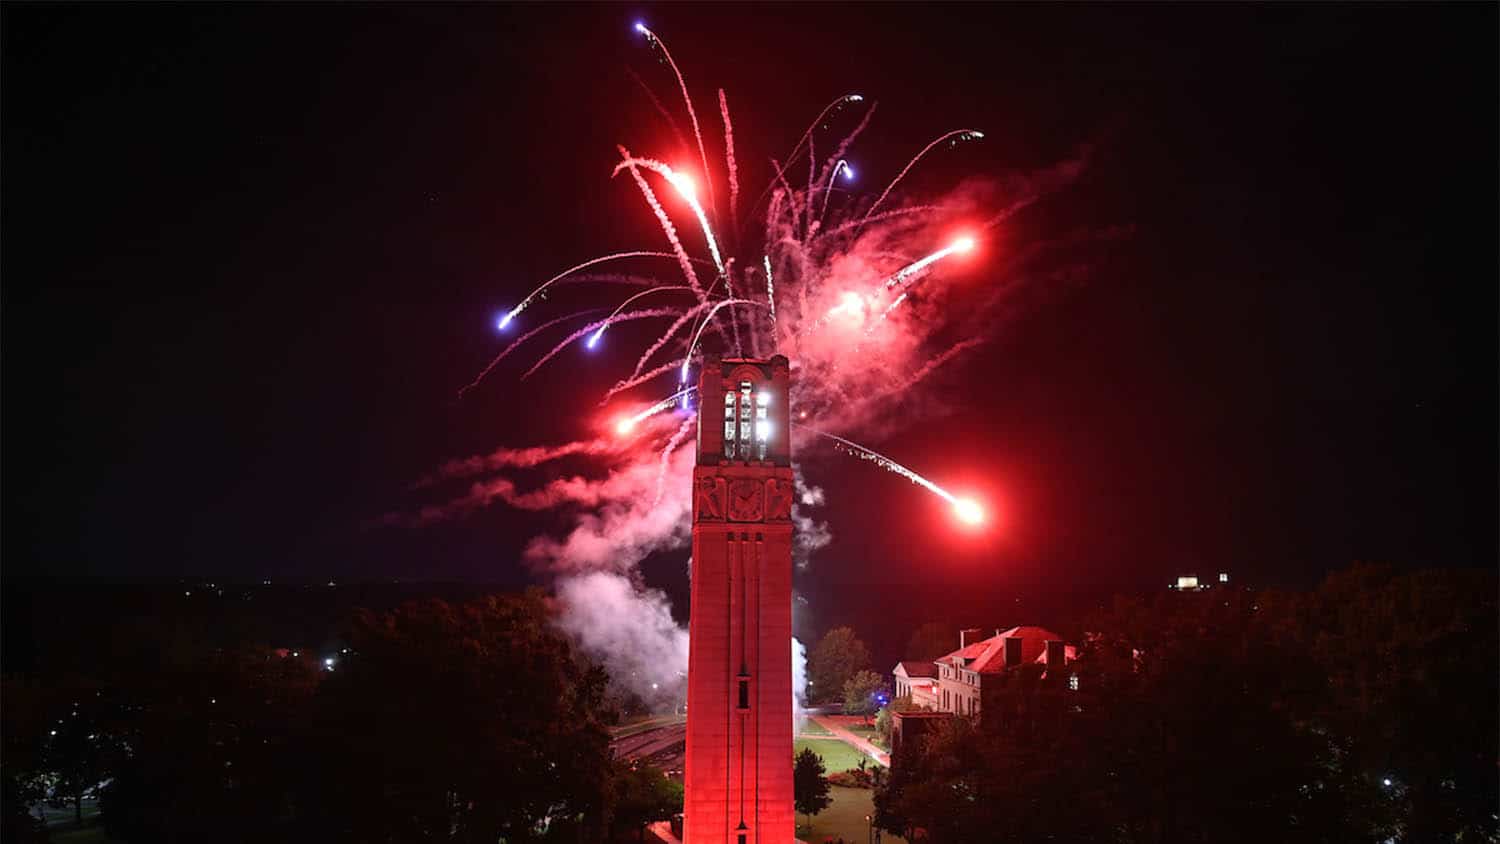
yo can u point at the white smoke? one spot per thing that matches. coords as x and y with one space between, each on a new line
629 629
799 685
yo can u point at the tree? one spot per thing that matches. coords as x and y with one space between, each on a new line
860 693
838 656
643 795
1196 718
809 784
475 721
884 722
930 641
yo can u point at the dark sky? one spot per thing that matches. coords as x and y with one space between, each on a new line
250 252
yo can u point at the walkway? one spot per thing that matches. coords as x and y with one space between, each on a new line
864 746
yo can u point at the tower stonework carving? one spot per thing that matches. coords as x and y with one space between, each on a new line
738 772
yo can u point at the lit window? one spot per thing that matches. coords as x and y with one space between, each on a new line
744 420
1073 682
729 423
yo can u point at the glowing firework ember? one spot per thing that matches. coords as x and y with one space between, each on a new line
966 509
837 264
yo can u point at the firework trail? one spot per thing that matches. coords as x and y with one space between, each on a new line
661 217
595 337
960 134
694 345
666 455
687 189
660 109
519 458
532 296
589 329
853 258
513 346
652 38
770 292
965 508
734 171
626 384
627 424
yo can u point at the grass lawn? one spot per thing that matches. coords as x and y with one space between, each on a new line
845 818
869 734
837 756
813 728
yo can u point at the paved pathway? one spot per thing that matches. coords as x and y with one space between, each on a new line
861 744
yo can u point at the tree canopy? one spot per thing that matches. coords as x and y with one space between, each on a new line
838 656
1364 711
810 783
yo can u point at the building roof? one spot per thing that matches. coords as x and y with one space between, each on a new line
987 656
917 668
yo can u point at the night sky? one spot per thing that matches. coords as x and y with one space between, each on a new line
251 252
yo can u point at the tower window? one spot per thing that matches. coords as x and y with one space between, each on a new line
744 693
762 424
729 416
745 420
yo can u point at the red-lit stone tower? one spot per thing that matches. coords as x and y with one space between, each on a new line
739 724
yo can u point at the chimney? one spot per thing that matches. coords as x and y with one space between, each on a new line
963 636
1057 656
1012 651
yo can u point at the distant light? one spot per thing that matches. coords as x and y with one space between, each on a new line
968 511
848 172
653 687
594 338
624 426
963 244
641 28
504 322
1386 782
52 733
328 660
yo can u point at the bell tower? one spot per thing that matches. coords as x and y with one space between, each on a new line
738 773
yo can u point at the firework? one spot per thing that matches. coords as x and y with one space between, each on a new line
966 509
851 260
595 337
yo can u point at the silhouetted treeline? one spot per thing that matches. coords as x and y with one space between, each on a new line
471 721
1365 710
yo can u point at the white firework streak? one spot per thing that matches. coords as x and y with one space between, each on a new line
688 100
694 345
588 329
684 187
770 290
666 223
530 297
961 134
593 340
516 343
885 463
